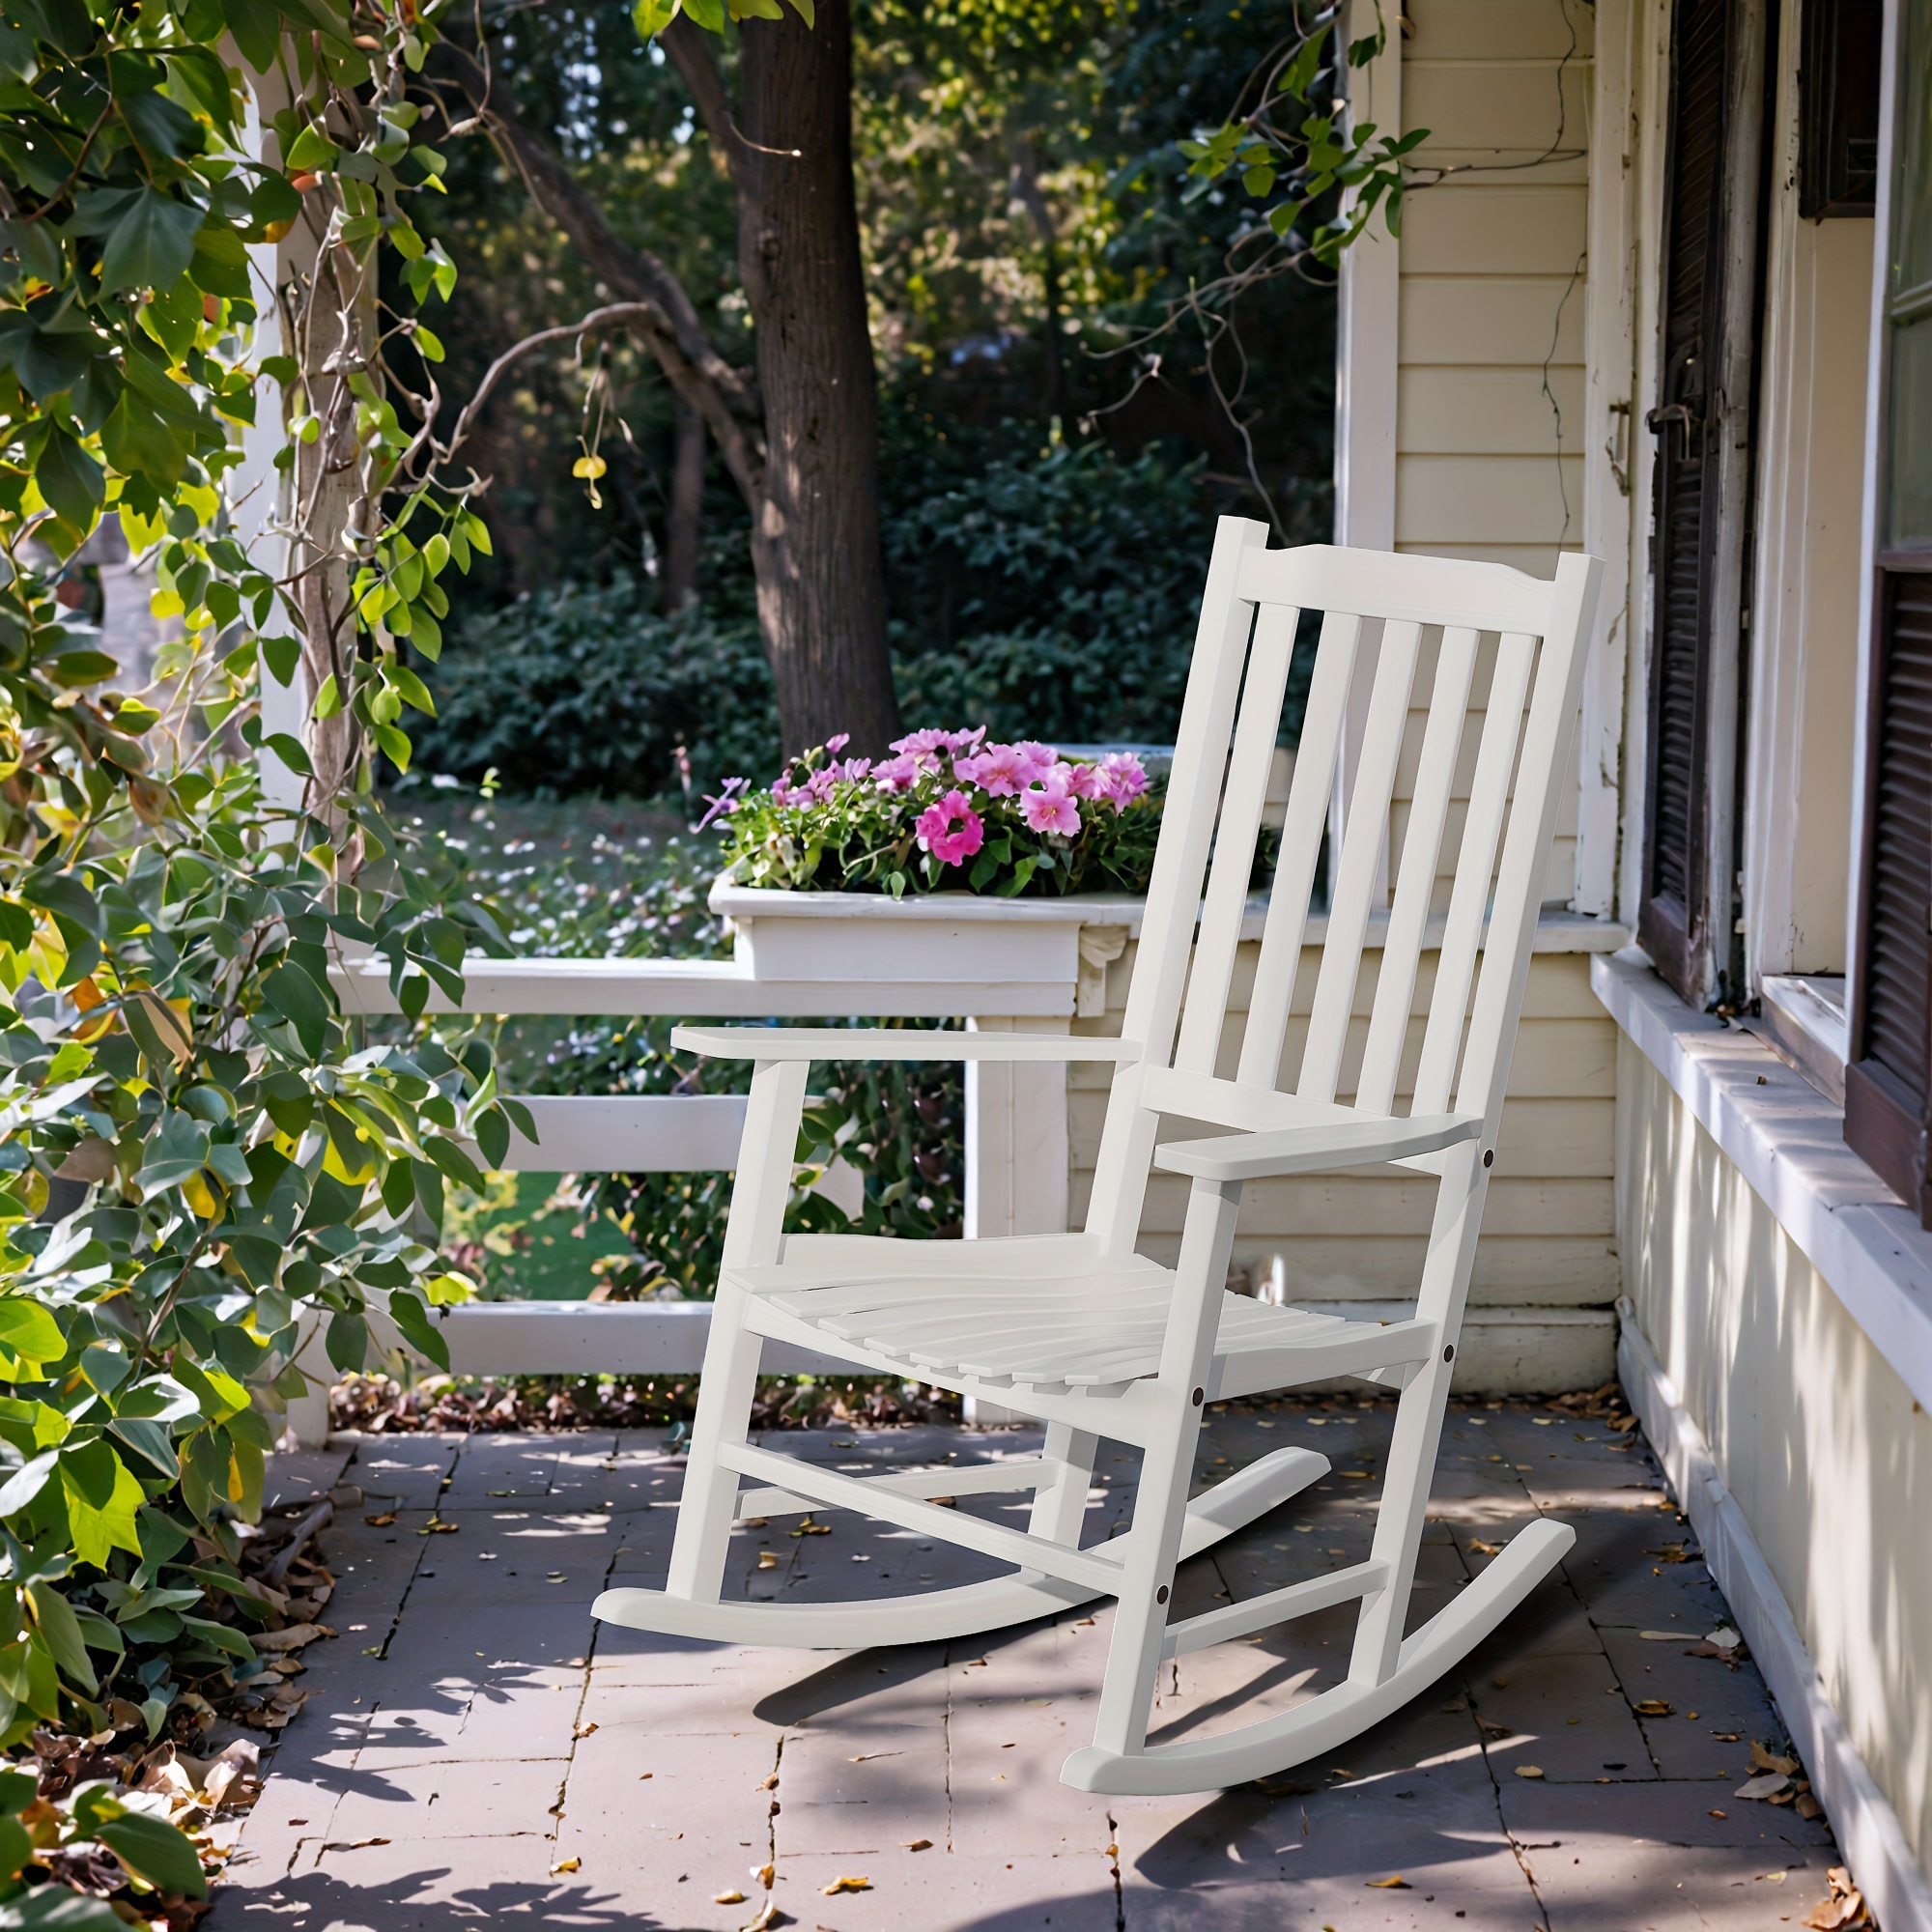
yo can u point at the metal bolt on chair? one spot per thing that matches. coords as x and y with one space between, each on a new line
1096 1340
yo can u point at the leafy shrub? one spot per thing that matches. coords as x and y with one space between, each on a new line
592 690
1054 597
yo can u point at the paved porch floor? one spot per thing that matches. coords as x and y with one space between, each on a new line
476 1748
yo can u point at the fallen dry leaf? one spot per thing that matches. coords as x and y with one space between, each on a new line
1764 1760
566 1866
918 1845
1719 1814
1663 1636
355 1845
435 1526
768 1915
292 1639
1809 1806
866 1757
1670 1552
809 1528
766 1560
1654 1707
771 1783
764 1874
1767 1786
1529 1771
382 1521
839 1884
582 1730
1396 1884
1485 1548
1724 1637
732 1898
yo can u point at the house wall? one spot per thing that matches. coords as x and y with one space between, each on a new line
1546 1271
1818 1440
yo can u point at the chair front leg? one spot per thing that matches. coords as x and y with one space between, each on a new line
1166 1466
1417 1440
753 1232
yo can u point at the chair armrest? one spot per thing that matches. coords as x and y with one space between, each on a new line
1316 1148
751 1042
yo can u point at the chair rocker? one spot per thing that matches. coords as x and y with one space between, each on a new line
1098 1341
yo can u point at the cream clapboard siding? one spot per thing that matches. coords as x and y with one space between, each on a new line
1490 342
1549 1232
1817 1439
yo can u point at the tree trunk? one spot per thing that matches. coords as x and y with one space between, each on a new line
815 531
684 527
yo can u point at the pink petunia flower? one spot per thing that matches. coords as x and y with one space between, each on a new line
836 743
725 806
855 769
898 773
1050 807
951 831
1082 780
999 771
1122 777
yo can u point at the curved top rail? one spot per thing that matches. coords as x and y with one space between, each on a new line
1412 589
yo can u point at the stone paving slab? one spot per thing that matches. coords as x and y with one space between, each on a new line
477 1747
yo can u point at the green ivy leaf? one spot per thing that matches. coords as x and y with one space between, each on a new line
150 244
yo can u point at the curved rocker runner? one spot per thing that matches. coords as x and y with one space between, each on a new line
1096 1340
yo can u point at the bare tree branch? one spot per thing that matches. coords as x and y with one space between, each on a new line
664 319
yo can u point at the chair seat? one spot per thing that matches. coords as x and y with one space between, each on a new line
1048 1312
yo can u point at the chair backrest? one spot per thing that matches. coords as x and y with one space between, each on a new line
1402 702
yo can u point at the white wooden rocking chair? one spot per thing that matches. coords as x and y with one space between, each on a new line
1099 1342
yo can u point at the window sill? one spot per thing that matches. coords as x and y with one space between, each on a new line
1802 1019
1788 1142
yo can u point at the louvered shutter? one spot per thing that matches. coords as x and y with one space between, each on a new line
1889 1082
1701 491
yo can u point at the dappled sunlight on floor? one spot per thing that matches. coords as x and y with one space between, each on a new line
478 1748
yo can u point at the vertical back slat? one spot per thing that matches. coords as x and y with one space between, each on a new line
1359 875
1174 893
1301 832
1415 881
1240 818
1469 897
1193 791
1518 894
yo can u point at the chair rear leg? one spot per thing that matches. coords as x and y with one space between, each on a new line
1167 1468
1060 1507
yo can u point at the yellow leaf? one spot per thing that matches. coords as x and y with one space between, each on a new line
566 1866
839 1884
588 466
200 1196
332 1163
728 1899
1396 1884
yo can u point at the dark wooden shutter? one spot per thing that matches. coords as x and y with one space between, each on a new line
1701 491
1837 88
1887 1084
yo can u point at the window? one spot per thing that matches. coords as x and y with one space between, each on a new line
1837 86
1889 1084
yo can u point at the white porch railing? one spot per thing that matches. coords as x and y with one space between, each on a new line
998 964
